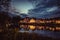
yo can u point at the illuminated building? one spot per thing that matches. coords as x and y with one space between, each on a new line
32 20
58 21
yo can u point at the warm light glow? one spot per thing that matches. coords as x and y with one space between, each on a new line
0 30
21 25
53 29
47 27
50 28
7 25
42 21
16 29
40 27
32 27
32 21
48 21
57 28
21 20
58 21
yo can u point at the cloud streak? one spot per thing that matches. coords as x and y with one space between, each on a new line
45 8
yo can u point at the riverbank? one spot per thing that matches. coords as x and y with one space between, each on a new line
24 36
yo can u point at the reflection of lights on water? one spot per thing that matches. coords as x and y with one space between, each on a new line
57 28
32 27
47 27
0 30
53 29
50 28
41 27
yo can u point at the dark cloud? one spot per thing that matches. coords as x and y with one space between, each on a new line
40 8
45 8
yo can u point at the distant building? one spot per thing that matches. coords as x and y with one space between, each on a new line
58 21
32 20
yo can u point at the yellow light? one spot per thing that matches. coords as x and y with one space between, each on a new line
32 27
32 21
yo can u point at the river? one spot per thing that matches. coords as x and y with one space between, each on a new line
53 34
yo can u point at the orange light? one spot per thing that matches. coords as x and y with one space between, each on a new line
40 27
57 28
58 21
32 21
42 21
32 27
50 28
53 29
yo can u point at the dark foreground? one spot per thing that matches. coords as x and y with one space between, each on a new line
23 36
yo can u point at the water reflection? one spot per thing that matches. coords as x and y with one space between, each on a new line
34 27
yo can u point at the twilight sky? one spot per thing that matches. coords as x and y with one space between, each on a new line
38 8
22 5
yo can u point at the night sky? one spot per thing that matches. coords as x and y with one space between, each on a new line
38 8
